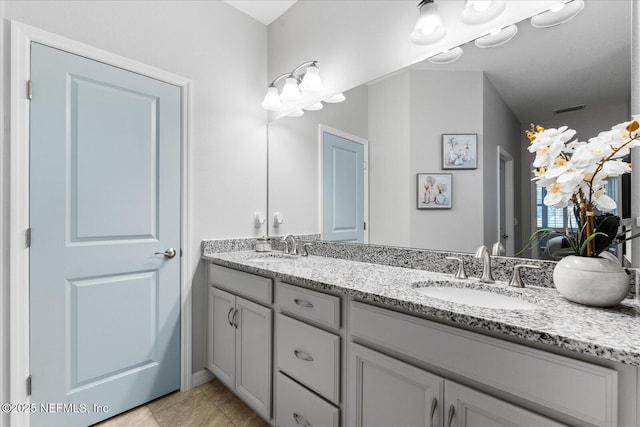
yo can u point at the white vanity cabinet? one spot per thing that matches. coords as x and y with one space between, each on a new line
384 391
308 357
240 336
572 391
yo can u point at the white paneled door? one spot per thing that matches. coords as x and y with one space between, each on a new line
105 254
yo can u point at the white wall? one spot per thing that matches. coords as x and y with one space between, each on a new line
390 183
447 102
224 52
500 128
294 160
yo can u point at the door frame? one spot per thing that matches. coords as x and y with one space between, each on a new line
509 202
321 129
21 38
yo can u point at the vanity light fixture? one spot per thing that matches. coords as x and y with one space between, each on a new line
498 37
481 11
296 113
447 57
558 14
338 97
429 27
314 107
305 78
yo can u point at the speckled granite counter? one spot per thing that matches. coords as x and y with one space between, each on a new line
612 333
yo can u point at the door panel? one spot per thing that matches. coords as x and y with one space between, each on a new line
342 189
222 336
105 197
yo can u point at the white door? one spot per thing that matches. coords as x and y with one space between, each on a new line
466 407
343 187
104 211
386 392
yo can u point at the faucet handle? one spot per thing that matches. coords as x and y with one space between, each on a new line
516 280
286 246
305 249
461 274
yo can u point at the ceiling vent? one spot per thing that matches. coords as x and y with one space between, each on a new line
568 109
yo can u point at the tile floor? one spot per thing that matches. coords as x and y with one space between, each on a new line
210 404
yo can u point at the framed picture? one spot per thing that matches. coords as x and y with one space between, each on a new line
459 151
435 190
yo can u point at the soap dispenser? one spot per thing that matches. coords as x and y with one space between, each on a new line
263 244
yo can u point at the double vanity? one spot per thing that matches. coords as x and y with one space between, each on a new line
328 341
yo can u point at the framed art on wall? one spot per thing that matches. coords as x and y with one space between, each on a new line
434 190
459 151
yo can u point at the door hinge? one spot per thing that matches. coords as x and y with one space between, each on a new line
29 90
28 237
29 385
365 225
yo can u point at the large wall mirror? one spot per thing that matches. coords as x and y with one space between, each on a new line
582 66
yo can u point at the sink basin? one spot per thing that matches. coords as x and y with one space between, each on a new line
476 297
271 257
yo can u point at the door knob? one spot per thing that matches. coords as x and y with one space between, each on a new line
169 253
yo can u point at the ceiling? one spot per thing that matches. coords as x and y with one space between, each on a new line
265 11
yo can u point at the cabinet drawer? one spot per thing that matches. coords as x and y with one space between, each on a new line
581 390
240 283
312 305
297 406
310 355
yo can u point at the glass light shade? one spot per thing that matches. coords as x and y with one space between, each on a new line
428 28
271 100
447 57
497 38
290 91
311 81
338 97
314 107
558 14
481 11
296 113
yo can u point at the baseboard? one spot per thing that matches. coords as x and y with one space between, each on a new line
201 377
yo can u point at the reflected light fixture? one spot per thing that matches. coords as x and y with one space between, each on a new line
314 107
447 57
296 113
558 14
481 11
429 27
305 78
338 97
498 37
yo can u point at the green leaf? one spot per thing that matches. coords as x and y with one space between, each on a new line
607 228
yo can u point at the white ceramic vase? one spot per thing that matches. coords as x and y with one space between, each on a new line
592 281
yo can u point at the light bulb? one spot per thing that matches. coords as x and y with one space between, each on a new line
428 28
480 5
338 97
314 107
311 81
271 100
558 7
290 91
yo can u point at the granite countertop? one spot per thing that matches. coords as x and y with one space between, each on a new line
609 333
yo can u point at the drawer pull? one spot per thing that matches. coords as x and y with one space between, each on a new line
303 355
303 303
434 406
229 317
451 413
300 420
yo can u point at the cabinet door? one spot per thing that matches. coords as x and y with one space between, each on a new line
468 407
253 355
386 392
222 336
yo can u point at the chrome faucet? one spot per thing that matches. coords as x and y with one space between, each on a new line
293 250
483 253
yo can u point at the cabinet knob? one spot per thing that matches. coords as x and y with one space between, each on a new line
303 355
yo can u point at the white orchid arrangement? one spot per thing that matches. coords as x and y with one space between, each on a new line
575 173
